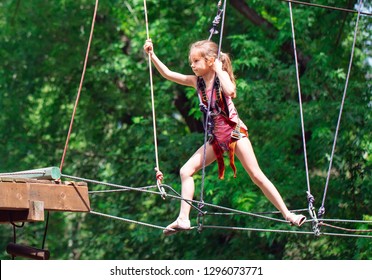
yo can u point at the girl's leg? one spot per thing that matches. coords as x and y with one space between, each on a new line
245 153
193 165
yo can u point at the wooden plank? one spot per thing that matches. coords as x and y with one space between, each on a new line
19 250
72 197
14 195
36 211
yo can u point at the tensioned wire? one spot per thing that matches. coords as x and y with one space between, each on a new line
75 107
326 7
177 196
300 101
145 190
232 228
322 209
80 86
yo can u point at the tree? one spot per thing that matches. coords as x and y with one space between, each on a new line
42 47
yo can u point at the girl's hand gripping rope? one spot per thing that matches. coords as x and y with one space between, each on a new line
159 180
148 47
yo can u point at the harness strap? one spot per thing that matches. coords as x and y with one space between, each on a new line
216 86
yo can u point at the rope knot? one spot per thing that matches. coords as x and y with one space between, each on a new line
310 198
321 212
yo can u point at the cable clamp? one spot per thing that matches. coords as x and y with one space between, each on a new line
311 209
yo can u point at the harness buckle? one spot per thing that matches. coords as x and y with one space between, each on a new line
235 134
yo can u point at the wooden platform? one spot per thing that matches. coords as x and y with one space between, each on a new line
25 199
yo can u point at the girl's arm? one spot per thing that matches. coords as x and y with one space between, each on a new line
228 87
186 80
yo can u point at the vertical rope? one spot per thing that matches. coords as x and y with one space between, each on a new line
322 208
212 31
201 202
300 98
222 26
80 87
310 197
162 191
74 110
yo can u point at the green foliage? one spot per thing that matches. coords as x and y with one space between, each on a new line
42 49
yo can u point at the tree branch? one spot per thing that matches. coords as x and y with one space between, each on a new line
242 7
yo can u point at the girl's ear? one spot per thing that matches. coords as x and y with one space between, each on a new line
211 61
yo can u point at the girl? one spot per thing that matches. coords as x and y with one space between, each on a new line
215 84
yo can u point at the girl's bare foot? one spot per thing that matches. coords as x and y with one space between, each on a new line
178 225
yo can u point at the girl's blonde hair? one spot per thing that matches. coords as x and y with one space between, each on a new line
208 50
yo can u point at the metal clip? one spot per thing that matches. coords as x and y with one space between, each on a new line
311 209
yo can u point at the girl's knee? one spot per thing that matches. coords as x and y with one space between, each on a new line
185 172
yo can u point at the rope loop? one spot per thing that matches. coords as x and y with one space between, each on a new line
321 212
161 189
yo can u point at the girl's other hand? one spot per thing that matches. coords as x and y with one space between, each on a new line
148 47
217 65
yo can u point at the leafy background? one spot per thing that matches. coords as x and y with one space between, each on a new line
42 49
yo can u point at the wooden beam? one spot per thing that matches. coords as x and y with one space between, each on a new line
18 250
68 196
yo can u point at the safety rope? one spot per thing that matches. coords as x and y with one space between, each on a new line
212 31
126 188
310 197
222 26
178 197
206 130
80 86
161 190
126 220
321 211
345 229
346 221
74 112
326 7
285 231
231 228
259 213
229 211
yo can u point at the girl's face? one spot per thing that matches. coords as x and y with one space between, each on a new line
199 64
